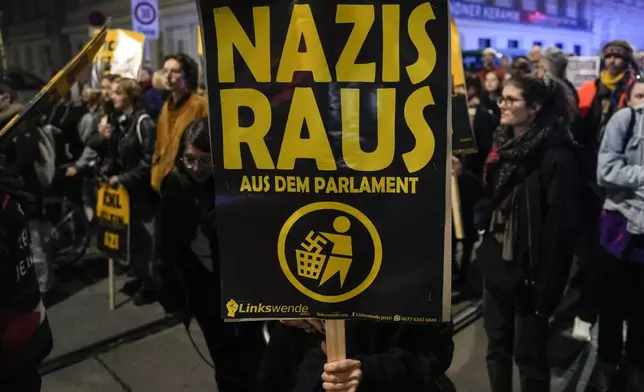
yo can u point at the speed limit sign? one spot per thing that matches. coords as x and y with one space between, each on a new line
145 17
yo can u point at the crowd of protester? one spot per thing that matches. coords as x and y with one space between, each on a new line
557 221
554 208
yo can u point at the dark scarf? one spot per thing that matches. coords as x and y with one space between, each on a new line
511 159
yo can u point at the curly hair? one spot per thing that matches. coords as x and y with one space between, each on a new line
189 68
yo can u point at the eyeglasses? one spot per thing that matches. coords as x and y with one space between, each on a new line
191 162
510 101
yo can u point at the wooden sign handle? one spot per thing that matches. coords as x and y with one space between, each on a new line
111 278
456 210
336 348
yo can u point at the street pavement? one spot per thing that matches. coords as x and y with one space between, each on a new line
164 359
80 317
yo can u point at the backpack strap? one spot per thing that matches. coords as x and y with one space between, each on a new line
138 126
631 125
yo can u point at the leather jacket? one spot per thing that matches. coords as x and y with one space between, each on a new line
130 154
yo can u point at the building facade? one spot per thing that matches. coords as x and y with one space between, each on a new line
520 24
577 26
29 47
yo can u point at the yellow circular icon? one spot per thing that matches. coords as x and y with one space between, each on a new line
341 224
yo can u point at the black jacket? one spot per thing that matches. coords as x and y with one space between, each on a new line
549 199
394 357
187 217
66 117
25 336
129 158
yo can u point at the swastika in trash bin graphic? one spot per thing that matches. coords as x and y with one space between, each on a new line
330 251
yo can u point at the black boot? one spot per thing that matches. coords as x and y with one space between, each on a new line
144 296
131 287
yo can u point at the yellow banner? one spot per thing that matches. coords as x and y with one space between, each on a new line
457 58
57 87
113 205
104 56
199 42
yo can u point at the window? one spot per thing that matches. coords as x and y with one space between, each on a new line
559 45
552 7
529 5
577 50
29 58
572 8
537 43
513 44
485 43
16 58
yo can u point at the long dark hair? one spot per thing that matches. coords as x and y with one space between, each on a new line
197 134
556 108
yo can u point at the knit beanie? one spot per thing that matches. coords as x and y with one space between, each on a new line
618 48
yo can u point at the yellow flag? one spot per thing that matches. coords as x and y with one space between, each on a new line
57 88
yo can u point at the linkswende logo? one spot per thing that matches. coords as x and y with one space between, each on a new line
232 307
235 308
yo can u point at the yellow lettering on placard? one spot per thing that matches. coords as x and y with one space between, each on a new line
305 109
234 135
301 29
111 240
423 151
245 185
352 152
390 43
231 34
256 184
362 16
423 67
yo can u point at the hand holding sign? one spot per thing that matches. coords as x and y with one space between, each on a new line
344 375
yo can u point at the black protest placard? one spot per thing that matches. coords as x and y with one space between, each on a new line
463 141
330 133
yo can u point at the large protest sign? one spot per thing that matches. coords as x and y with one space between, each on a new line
58 87
113 216
126 61
463 141
582 69
330 136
